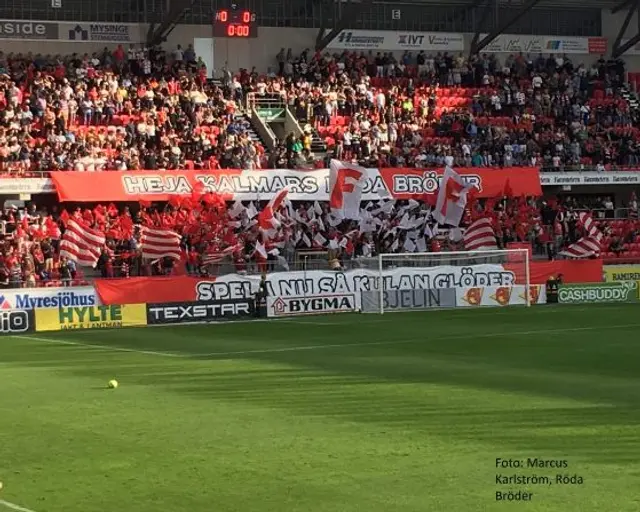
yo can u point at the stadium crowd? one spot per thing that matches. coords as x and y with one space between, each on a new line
137 109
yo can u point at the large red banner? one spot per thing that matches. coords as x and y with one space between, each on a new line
390 183
140 290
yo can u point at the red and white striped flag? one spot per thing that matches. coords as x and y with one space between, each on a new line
589 245
159 243
81 244
480 236
210 258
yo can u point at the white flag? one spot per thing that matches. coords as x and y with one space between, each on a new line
345 184
452 198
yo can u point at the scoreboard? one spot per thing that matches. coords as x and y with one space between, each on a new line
235 23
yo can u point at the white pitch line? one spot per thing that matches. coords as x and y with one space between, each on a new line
331 345
13 506
100 347
413 340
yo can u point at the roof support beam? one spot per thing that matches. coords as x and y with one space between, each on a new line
505 25
618 48
480 26
621 6
350 11
177 10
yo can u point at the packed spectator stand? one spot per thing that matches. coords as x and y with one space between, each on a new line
132 110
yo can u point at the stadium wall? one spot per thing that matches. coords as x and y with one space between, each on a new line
140 301
261 52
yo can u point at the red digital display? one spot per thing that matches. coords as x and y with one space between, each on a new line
235 23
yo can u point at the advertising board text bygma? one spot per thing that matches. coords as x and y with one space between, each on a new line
292 306
91 317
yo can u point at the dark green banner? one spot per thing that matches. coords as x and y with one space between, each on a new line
623 291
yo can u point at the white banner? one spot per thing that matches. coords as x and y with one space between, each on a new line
499 296
89 32
512 43
311 305
390 41
320 291
26 186
589 178
33 298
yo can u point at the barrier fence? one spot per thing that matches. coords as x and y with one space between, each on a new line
177 300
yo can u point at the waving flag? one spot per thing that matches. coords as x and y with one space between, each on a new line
81 244
588 246
480 236
452 198
266 218
346 182
159 243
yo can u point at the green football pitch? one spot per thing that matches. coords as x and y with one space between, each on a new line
425 411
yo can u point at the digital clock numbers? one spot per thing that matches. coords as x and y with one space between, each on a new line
235 23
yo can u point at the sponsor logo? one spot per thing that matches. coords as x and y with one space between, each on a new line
28 30
349 39
449 41
534 294
97 317
179 313
473 296
554 44
502 295
412 40
46 299
598 292
282 306
620 178
100 32
432 298
14 321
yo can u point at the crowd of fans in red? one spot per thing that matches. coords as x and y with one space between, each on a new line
137 109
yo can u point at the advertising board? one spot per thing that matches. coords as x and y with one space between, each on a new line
499 296
388 40
35 298
613 273
559 179
532 44
184 312
13 321
90 317
310 305
152 290
396 300
597 293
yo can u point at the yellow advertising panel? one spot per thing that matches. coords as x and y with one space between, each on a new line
91 317
614 273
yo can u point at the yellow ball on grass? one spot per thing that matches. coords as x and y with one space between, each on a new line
113 384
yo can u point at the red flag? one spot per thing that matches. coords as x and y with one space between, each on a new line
266 218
